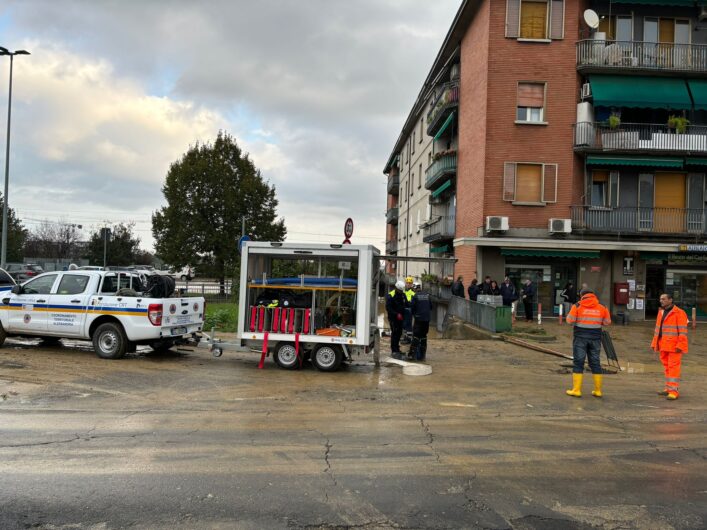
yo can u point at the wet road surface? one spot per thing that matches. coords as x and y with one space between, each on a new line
489 440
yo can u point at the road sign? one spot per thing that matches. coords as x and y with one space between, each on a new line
241 241
348 231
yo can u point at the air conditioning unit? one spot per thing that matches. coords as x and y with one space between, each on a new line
703 14
559 226
586 91
496 223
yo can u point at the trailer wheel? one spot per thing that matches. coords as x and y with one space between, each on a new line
109 341
327 358
286 356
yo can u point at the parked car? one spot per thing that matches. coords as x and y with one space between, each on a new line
185 273
23 271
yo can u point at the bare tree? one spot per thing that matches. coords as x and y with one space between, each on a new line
54 240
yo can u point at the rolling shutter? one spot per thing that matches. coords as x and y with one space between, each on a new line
529 185
557 19
531 95
549 183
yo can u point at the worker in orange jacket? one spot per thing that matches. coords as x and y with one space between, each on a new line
588 316
670 340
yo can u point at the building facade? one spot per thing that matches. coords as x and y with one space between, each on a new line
571 152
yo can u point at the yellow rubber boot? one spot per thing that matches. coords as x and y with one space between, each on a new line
597 385
576 386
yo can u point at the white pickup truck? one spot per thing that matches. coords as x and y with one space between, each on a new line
106 307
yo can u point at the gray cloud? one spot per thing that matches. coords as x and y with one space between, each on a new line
315 90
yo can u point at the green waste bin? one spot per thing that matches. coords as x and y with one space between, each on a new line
503 319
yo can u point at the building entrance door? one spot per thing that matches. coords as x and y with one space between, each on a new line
655 286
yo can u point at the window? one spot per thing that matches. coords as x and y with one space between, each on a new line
412 183
531 103
41 285
412 144
529 183
600 180
419 177
421 120
5 278
535 19
72 284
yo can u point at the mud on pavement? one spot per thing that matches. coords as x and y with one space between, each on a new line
489 440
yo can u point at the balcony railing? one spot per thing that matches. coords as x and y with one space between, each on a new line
676 221
444 166
446 101
391 247
639 137
394 184
391 215
442 228
611 54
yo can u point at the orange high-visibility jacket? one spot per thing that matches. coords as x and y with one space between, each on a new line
674 333
589 314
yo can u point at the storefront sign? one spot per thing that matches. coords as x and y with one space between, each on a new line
628 266
693 248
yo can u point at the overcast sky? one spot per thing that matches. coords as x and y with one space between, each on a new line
114 91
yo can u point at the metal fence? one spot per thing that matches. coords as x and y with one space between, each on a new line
640 137
442 228
211 291
444 165
488 317
639 220
642 55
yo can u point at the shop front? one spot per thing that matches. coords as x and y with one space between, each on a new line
681 274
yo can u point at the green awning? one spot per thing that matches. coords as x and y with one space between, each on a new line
639 92
443 248
698 87
675 3
446 123
546 253
436 193
696 161
640 161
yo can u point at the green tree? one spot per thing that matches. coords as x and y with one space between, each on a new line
122 247
209 191
16 234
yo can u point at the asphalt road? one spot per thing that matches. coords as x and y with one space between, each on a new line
489 440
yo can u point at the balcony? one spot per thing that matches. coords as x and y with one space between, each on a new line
441 228
444 104
394 184
600 55
391 216
640 138
391 247
444 166
666 221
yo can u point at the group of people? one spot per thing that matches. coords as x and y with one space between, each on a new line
507 291
669 341
409 310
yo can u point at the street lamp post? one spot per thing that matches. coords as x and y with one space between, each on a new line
3 252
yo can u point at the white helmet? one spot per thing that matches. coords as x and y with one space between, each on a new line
416 285
400 285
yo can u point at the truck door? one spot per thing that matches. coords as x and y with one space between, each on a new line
29 310
68 305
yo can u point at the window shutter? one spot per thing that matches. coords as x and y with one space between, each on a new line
557 19
549 183
512 18
531 95
509 181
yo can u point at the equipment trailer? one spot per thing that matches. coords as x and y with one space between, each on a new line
306 301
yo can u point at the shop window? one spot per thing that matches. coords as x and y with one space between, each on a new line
525 183
531 103
535 19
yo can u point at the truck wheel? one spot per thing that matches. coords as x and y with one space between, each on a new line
327 358
286 356
109 341
3 335
183 278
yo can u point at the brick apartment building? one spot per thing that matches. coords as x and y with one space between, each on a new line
563 152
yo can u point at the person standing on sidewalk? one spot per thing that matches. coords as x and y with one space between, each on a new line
588 316
670 340
458 287
528 296
395 306
422 311
508 292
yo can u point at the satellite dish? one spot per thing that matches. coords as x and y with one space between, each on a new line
591 18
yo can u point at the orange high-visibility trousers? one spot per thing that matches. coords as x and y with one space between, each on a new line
671 365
